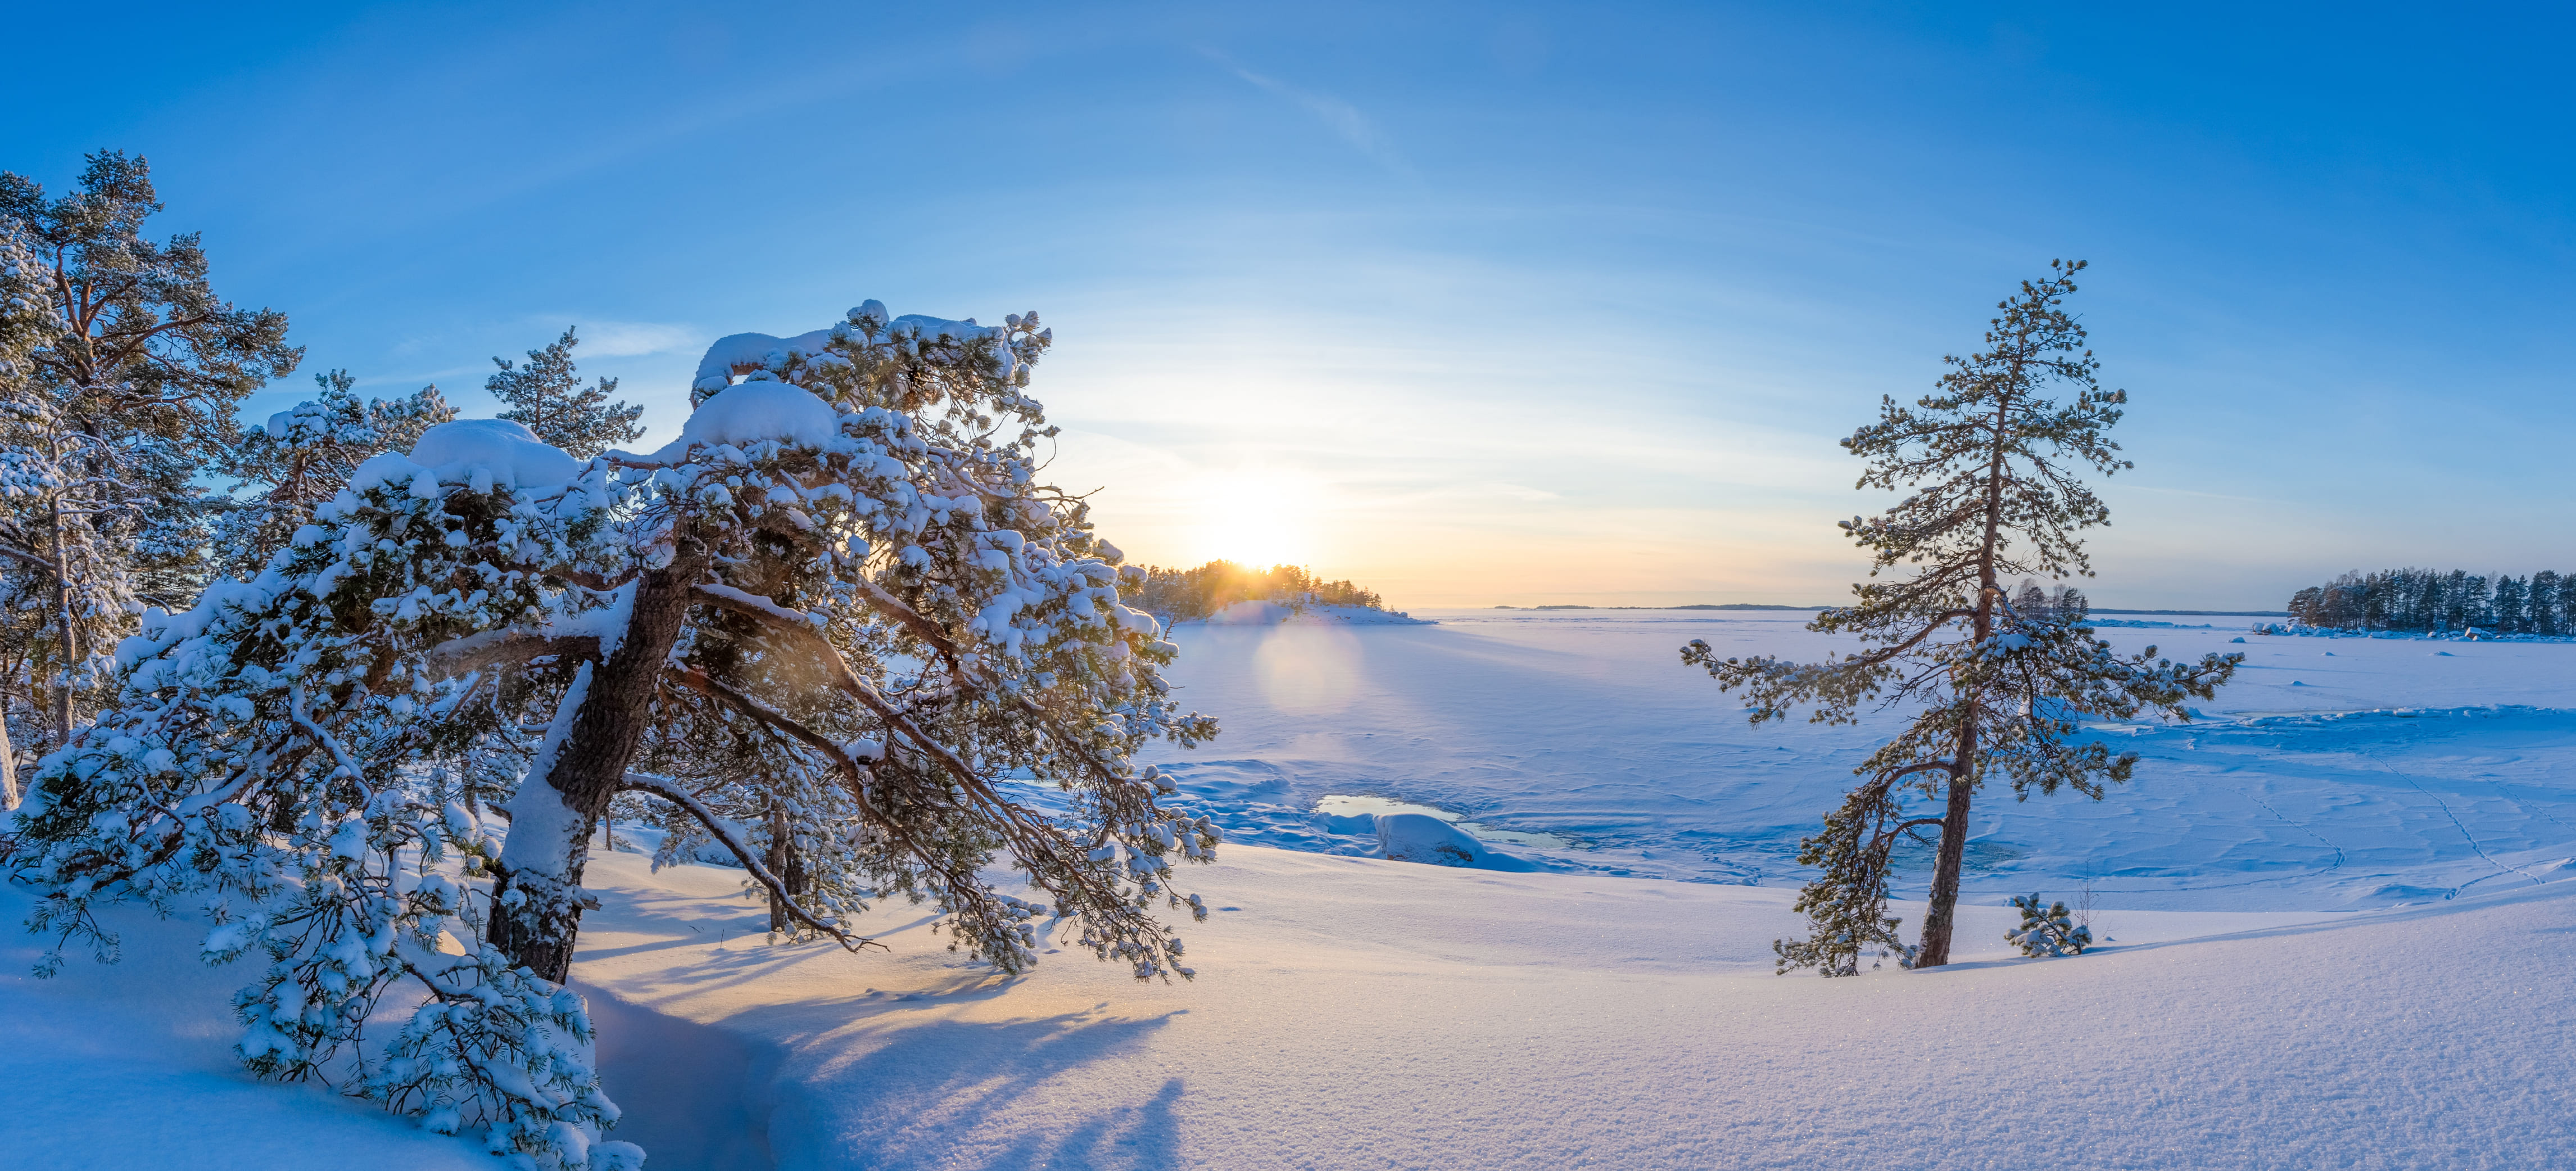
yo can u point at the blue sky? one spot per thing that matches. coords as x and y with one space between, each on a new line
1476 304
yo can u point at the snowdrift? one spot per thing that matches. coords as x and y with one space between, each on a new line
130 1065
1356 1013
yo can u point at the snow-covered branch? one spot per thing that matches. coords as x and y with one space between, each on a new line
671 791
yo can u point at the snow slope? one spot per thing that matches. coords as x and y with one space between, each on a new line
130 1065
2384 772
1360 1013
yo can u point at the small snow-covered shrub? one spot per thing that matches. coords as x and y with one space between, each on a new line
2048 932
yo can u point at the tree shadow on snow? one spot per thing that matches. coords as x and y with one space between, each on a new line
898 1089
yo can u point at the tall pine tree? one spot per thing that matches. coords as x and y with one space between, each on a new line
546 396
1999 690
114 414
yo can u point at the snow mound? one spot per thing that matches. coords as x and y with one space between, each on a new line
751 411
479 453
743 353
1420 837
135 1068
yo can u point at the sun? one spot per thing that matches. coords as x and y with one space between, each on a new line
1254 519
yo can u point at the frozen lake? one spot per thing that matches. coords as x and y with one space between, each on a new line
2334 773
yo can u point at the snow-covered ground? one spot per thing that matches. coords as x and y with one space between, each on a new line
129 1065
2264 1000
1358 1013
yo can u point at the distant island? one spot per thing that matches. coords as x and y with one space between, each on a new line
1189 595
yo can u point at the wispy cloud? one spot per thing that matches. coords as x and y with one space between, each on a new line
634 339
1342 118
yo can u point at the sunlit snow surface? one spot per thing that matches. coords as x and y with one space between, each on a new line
2384 772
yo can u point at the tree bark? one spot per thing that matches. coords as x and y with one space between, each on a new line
8 760
1941 917
67 645
553 813
787 864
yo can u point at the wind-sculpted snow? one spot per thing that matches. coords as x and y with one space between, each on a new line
2407 777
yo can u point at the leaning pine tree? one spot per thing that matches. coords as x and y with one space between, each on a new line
842 599
1999 688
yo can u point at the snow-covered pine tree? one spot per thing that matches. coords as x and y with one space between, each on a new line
2000 692
2047 931
27 323
846 576
127 400
305 456
547 397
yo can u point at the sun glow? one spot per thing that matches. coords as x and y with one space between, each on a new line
1254 520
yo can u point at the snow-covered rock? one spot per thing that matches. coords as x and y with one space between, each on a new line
1420 837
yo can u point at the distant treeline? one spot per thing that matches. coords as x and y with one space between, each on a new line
2431 600
1181 595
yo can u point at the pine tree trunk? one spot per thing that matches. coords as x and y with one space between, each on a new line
781 852
63 631
1941 917
552 815
8 759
